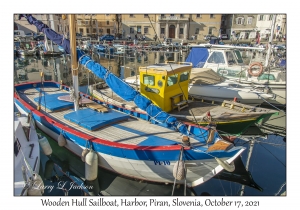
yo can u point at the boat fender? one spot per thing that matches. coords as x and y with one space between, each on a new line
257 73
228 167
84 153
49 166
61 85
91 165
61 140
178 170
44 143
211 135
208 116
36 187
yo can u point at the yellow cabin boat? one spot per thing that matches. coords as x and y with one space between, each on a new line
166 85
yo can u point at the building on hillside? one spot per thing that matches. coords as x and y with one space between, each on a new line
250 26
201 25
280 26
240 26
264 25
86 25
173 26
138 25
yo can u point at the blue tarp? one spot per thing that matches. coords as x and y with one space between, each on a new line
52 103
198 56
93 120
283 63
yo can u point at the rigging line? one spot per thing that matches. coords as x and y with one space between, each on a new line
277 118
185 172
179 159
186 99
154 29
222 185
284 145
272 154
280 188
270 103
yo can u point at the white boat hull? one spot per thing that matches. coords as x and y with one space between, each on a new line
29 149
226 91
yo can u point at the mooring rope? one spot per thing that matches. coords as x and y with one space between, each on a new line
179 159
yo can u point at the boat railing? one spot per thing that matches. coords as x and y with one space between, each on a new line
181 63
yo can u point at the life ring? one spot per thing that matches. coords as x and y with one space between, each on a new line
257 73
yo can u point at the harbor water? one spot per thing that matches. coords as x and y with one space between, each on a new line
261 170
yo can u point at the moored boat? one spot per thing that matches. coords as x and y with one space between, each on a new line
26 157
167 86
228 62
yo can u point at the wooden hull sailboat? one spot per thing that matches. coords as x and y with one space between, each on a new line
117 141
125 145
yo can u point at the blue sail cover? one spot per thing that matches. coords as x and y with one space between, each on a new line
116 84
129 94
198 56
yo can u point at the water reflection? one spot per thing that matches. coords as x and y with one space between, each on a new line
28 69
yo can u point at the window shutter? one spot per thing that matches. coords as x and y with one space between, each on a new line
236 20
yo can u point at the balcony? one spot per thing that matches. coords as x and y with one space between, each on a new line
172 18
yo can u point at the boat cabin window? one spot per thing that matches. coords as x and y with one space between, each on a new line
149 80
216 57
184 76
238 56
266 77
172 80
230 58
17 147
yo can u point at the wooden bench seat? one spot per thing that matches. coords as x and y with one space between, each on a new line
181 104
97 107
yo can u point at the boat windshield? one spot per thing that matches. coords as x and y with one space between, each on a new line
216 57
230 58
238 57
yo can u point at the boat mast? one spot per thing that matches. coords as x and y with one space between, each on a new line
74 64
270 41
251 145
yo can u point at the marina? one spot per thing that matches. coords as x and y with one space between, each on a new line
42 88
